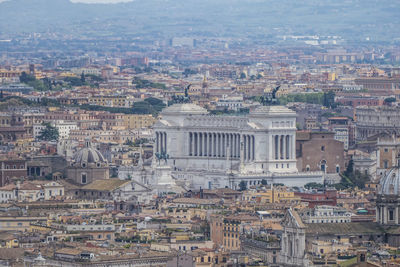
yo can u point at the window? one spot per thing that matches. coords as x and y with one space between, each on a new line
385 164
337 169
391 215
83 178
322 148
323 165
386 150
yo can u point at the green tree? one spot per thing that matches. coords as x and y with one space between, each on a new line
48 133
83 77
26 78
242 185
390 100
129 142
74 81
313 186
329 99
242 75
350 168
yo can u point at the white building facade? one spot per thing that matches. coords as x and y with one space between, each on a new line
217 151
63 127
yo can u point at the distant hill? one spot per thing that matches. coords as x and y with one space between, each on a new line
353 19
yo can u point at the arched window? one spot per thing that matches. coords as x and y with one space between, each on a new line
385 164
323 165
83 178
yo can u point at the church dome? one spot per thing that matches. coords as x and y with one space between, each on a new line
88 156
390 183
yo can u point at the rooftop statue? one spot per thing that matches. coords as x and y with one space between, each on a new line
270 98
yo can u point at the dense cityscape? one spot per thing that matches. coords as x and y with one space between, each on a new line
168 139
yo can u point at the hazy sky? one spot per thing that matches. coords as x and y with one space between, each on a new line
93 1
100 1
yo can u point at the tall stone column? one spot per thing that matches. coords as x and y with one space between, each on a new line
165 142
385 215
157 143
223 149
287 147
284 146
204 144
250 147
193 144
239 146
216 144
197 144
278 146
190 144
200 144
223 137
253 139
234 144
231 145
209 145
272 145
221 144
161 142
212 144
244 148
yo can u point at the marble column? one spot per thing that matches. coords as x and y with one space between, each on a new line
287 146
204 144
200 144
250 147
221 144
194 144
156 146
277 146
161 142
253 139
230 145
234 145
217 145
239 145
190 143
212 144
209 144
165 142
284 147
385 215
244 147
272 142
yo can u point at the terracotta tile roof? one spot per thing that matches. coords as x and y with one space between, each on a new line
106 184
196 201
